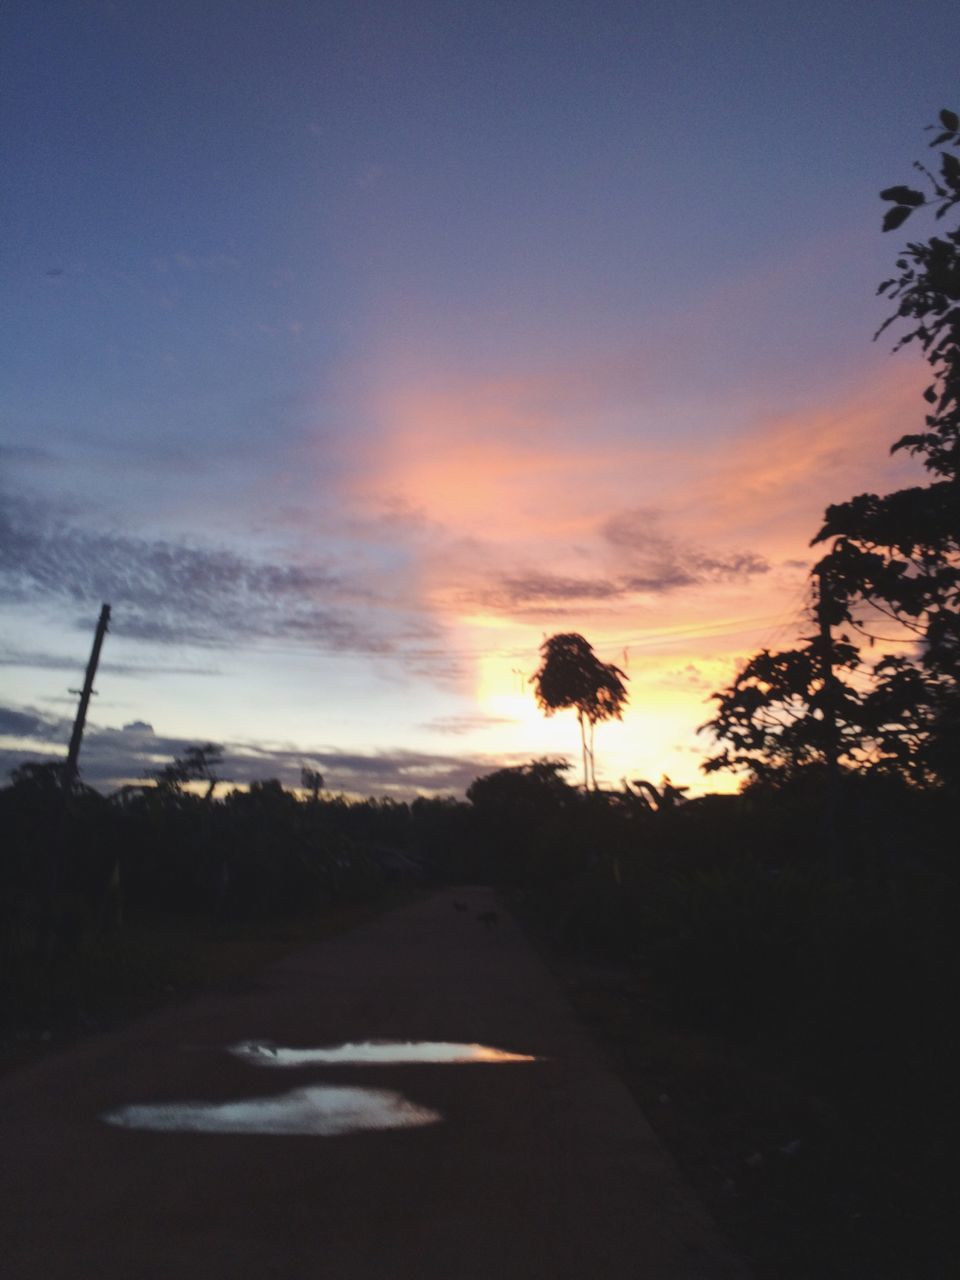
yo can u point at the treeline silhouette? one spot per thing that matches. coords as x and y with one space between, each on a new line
729 910
92 887
734 901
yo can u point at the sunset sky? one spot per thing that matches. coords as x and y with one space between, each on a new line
350 349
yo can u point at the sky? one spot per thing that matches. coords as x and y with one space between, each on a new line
352 349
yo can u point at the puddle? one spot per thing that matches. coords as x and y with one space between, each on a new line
319 1110
365 1052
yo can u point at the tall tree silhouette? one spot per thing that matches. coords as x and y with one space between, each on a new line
893 558
899 555
571 675
784 712
197 764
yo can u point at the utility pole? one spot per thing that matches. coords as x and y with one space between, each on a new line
73 753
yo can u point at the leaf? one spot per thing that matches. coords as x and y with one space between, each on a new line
941 138
951 169
904 195
896 216
950 120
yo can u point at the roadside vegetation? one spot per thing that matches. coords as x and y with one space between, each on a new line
109 905
785 1024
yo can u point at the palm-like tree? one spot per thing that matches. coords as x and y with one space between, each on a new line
571 675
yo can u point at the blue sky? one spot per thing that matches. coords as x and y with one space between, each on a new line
352 348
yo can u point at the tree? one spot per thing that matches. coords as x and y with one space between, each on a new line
894 558
311 780
898 557
662 799
571 675
774 720
522 790
195 765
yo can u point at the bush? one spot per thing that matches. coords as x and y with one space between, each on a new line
728 944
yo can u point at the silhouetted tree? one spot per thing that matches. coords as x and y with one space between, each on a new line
899 555
772 720
571 675
40 777
895 558
312 781
525 817
660 799
195 765
527 788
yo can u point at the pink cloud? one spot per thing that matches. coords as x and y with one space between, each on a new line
520 504
505 460
773 482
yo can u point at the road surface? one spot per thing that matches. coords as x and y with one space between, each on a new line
530 1170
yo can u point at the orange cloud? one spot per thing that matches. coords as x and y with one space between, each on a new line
485 458
523 515
511 461
774 481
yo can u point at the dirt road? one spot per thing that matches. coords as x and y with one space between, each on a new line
541 1170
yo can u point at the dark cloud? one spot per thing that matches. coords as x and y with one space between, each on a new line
63 662
660 563
172 592
658 580
739 564
398 773
111 757
524 589
651 562
19 724
657 565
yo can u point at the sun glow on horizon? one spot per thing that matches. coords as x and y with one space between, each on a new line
668 701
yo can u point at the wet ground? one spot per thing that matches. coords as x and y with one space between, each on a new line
324 1109
414 1099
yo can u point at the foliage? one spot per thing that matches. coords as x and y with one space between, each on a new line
571 675
523 816
312 781
521 789
772 717
195 765
74 867
728 943
895 558
928 291
658 799
722 911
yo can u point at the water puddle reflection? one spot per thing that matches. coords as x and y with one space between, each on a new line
322 1110
365 1052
